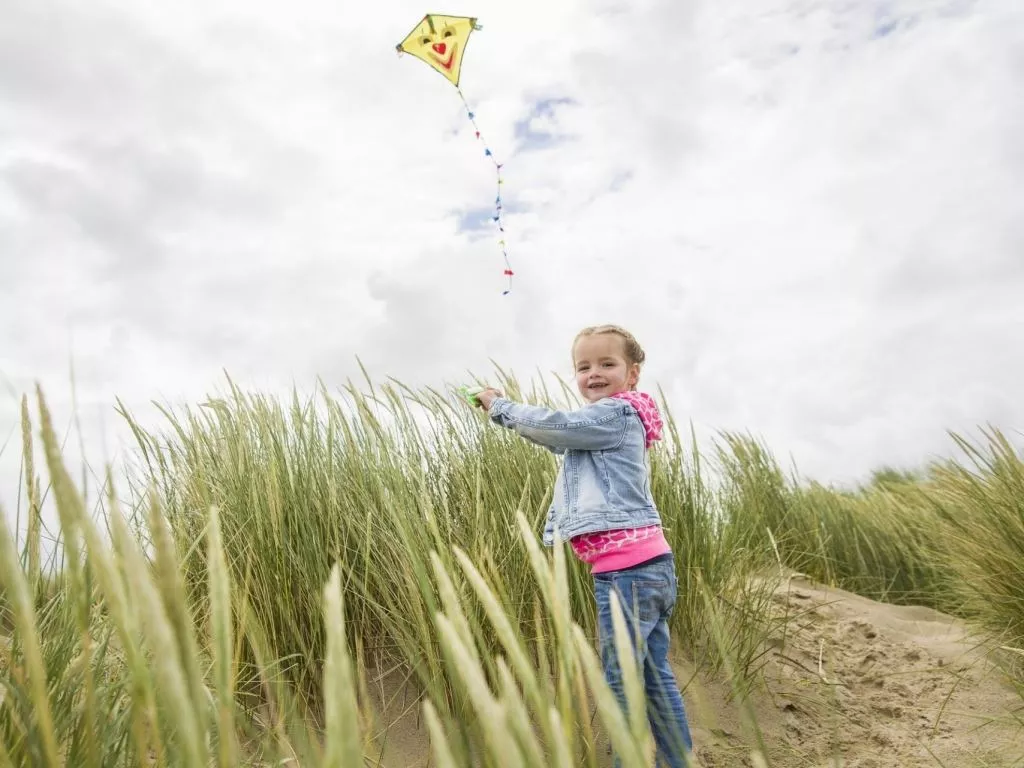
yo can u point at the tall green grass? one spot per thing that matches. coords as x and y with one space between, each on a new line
144 655
377 481
981 506
950 537
274 555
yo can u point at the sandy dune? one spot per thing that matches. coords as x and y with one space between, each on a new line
879 686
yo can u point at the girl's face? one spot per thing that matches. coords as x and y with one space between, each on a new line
601 367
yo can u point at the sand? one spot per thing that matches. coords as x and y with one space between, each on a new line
853 683
877 685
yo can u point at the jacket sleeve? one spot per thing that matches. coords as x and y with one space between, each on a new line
596 427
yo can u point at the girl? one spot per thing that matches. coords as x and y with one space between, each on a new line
602 504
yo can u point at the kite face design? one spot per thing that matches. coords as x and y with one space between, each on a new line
440 41
437 50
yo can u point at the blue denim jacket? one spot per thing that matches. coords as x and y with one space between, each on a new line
604 480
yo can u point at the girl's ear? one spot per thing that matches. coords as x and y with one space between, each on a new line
634 375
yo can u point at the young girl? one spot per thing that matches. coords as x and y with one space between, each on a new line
602 504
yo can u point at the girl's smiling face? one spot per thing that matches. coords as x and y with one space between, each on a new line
602 369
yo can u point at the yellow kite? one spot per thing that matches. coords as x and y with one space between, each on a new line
440 41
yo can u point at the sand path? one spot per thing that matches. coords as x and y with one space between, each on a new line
853 683
876 685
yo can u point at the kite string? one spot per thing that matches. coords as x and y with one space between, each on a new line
498 216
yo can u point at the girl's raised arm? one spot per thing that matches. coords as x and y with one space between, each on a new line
595 427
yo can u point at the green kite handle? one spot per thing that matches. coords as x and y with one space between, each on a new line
469 394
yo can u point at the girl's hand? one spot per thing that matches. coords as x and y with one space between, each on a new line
488 396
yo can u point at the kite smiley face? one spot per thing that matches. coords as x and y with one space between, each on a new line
441 47
440 41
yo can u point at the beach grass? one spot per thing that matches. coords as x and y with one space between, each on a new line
274 555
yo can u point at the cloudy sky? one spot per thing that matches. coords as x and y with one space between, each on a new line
810 212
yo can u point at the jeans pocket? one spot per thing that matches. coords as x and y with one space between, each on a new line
647 599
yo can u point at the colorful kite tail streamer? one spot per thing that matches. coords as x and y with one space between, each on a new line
498 216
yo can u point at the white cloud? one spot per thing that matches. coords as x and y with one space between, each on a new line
811 213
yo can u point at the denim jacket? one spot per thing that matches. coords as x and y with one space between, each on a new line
604 480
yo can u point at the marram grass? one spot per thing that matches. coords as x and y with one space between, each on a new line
277 554
168 666
377 481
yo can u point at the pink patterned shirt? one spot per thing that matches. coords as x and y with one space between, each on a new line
614 550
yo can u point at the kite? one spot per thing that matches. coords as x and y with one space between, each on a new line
440 41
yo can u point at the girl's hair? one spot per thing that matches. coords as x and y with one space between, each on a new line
631 347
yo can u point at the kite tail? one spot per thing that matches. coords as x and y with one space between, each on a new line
498 216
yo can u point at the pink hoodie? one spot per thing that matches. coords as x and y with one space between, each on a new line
647 408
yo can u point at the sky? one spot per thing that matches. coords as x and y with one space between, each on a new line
810 213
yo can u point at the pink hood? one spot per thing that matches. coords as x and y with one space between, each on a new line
647 409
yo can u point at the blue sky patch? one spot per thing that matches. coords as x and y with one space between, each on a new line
884 27
530 139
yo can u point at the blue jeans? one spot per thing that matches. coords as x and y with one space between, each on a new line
647 594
